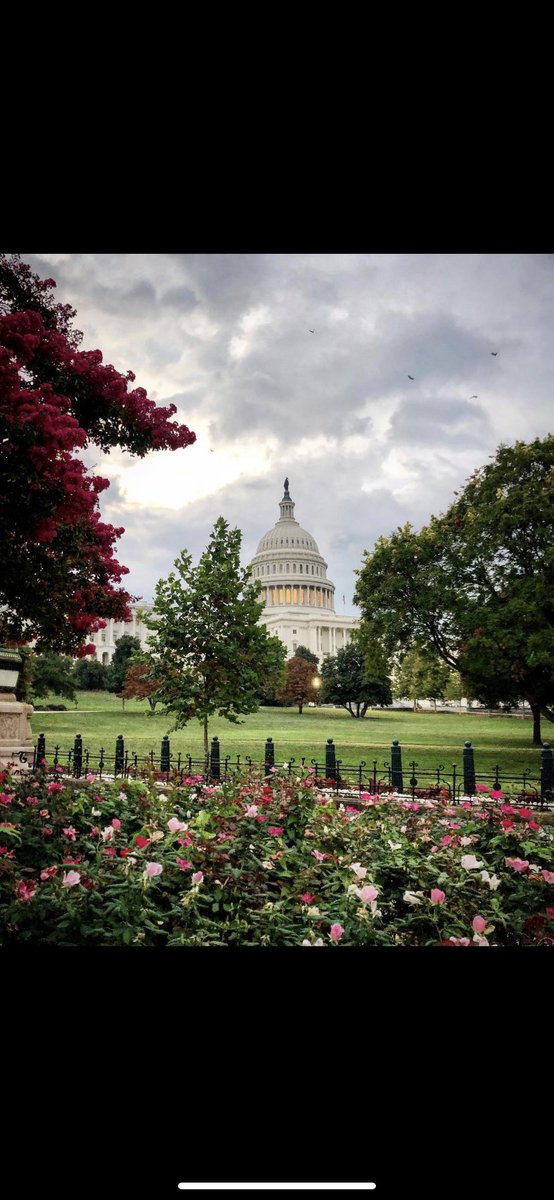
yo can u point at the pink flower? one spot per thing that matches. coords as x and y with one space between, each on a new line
446 840
48 872
481 941
367 894
533 825
481 787
70 832
507 808
495 795
525 813
437 897
70 878
479 924
187 840
336 933
454 825
24 892
275 830
307 897
174 825
54 787
107 833
518 864
32 800
90 777
459 941
360 871
153 869
109 851
251 810
198 877
116 823
549 876
317 854
6 797
183 863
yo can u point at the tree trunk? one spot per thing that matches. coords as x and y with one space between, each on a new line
537 740
415 705
300 705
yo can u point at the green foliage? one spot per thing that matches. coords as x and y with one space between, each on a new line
128 863
307 655
52 673
89 675
477 583
126 647
421 676
346 682
211 654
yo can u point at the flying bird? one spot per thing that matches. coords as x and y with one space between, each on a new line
474 397
411 377
311 330
494 353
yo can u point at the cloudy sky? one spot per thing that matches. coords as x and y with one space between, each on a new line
226 338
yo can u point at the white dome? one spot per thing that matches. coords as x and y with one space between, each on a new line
287 533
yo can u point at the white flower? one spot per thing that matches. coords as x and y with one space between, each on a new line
285 766
411 898
466 841
318 942
470 863
107 833
534 867
162 796
395 845
360 871
156 836
481 941
95 812
122 795
268 865
314 911
268 905
492 880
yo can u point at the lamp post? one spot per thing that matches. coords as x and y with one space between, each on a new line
16 738
316 684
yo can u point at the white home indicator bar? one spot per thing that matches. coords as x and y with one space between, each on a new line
276 1187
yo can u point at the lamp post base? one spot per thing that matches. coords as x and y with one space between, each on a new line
16 739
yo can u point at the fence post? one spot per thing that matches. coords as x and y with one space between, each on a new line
269 755
119 754
214 759
330 760
77 755
547 772
396 766
41 749
469 770
164 754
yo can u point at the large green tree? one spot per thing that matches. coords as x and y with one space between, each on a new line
307 655
421 676
477 583
126 648
348 683
52 673
89 675
211 653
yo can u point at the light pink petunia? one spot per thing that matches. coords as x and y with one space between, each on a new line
252 811
336 933
153 869
198 877
518 864
317 854
107 833
183 863
437 897
479 924
480 940
360 871
470 863
70 878
116 823
459 941
446 840
548 876
174 825
367 894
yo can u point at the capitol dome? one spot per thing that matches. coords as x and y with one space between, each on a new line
289 566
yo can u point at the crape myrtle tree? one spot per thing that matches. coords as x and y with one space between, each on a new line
298 684
208 651
141 681
59 575
348 682
421 675
477 583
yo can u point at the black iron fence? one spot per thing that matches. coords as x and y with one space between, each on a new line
534 787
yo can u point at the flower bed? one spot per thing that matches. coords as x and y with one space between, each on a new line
266 862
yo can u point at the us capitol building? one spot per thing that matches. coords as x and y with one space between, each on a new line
298 597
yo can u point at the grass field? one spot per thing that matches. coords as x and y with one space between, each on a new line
430 738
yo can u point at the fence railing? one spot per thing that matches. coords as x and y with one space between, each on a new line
535 787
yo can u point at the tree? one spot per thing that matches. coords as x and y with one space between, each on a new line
211 654
298 686
307 655
346 682
421 676
477 583
59 577
126 647
140 681
89 675
52 673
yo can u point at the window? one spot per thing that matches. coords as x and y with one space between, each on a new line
288 567
312 571
273 568
294 645
294 567
300 568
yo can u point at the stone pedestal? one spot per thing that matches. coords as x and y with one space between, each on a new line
16 738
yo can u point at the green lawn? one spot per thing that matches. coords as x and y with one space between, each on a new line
430 738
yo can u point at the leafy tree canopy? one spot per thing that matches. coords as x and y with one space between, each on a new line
126 647
421 676
211 653
298 685
347 682
477 583
59 576
307 655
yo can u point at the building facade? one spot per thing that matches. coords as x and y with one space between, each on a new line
298 597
